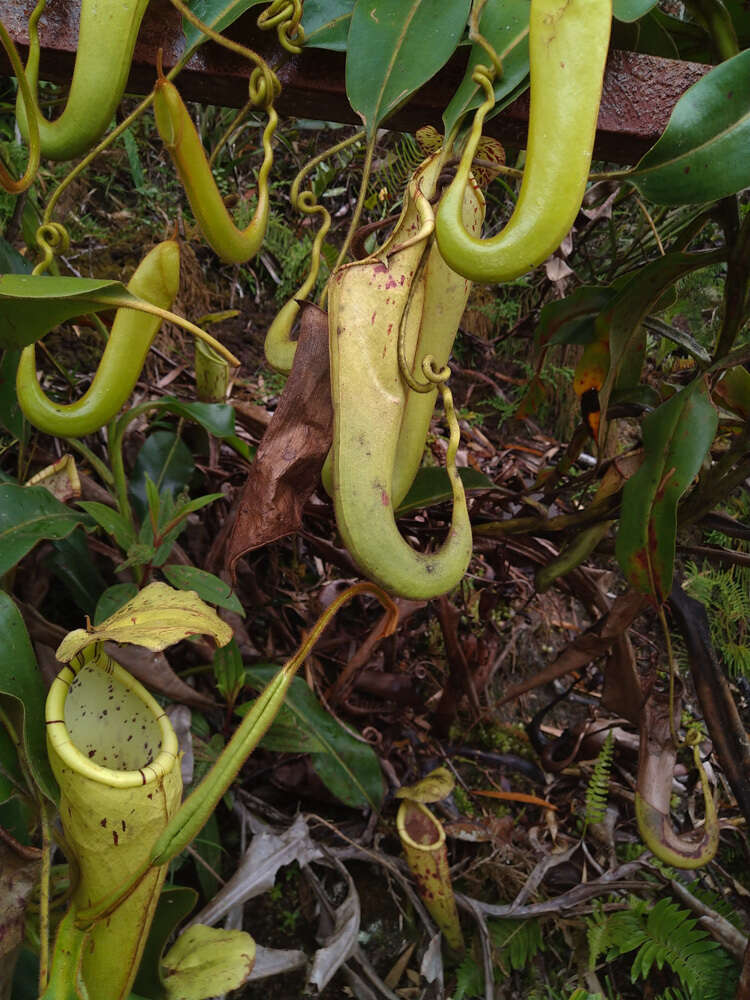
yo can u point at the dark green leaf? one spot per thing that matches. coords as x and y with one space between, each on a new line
22 694
72 565
208 846
394 47
217 14
29 514
631 10
11 417
11 261
506 28
636 298
113 599
166 459
572 320
33 304
216 418
432 486
326 23
702 154
676 439
229 670
11 776
175 903
348 767
680 337
206 585
111 521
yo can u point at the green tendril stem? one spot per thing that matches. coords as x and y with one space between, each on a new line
285 16
354 224
44 886
11 185
271 82
52 239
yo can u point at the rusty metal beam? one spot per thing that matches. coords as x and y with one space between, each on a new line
639 91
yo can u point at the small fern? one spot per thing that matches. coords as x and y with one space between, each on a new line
516 942
395 168
726 596
598 786
469 979
664 934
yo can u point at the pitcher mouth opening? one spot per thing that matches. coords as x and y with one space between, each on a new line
104 725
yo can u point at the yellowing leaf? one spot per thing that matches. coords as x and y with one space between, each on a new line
61 479
156 617
207 961
432 788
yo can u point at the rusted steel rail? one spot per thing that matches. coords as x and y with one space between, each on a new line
639 91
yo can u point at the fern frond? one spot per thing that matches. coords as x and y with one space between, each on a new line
673 939
516 941
395 169
598 786
469 979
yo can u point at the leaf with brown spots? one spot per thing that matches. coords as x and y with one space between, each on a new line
156 617
676 439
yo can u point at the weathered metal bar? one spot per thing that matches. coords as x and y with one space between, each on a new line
639 91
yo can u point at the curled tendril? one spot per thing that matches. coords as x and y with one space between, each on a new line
434 376
454 432
230 44
285 16
263 87
476 36
52 239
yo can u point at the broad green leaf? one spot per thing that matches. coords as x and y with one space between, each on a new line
734 391
11 417
113 599
22 694
11 776
167 461
156 617
11 261
111 521
33 304
72 566
676 439
702 154
206 961
326 23
286 735
631 10
431 486
217 14
175 903
29 514
635 300
229 671
394 47
572 320
436 785
506 28
348 767
206 586
216 418
740 14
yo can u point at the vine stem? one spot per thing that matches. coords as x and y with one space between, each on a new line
354 224
44 885
672 672
11 185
